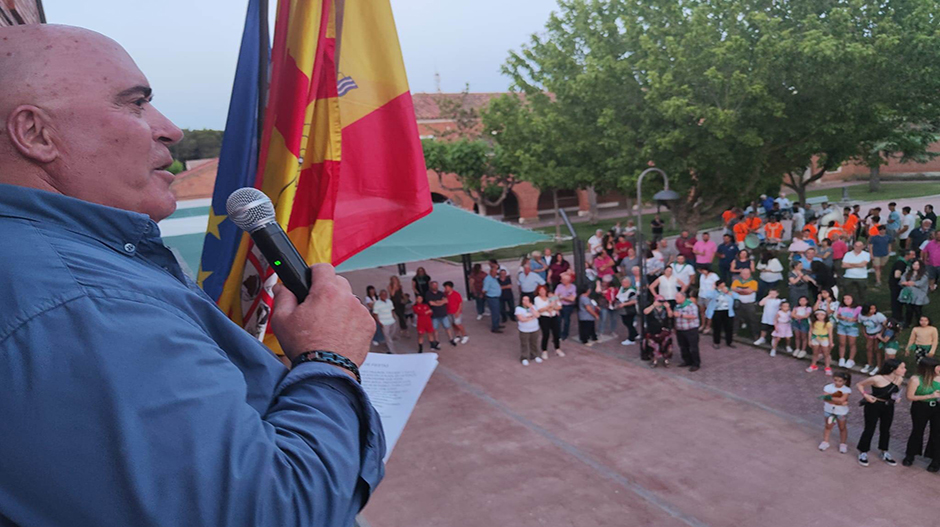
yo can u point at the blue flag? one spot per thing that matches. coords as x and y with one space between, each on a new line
238 160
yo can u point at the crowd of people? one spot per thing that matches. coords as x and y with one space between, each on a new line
802 288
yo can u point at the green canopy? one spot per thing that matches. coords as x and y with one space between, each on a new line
447 231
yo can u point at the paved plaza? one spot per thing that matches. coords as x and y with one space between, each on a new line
599 438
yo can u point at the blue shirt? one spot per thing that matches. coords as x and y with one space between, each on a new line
894 221
726 253
491 287
880 245
129 398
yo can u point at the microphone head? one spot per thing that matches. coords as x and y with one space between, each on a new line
250 209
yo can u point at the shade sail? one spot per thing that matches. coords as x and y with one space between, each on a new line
447 231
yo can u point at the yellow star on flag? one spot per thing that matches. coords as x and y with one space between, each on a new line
202 275
214 221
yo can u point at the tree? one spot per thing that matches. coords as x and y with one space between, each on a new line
197 144
481 169
728 96
906 144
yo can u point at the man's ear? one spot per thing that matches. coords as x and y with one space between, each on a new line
32 134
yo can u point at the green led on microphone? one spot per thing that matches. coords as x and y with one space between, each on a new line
277 262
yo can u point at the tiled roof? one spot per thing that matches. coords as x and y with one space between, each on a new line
426 103
197 183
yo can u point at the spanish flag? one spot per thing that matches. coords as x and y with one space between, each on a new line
340 155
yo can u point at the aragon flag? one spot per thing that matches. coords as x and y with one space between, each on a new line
340 155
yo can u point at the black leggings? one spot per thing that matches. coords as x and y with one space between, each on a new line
922 414
586 331
912 313
550 325
722 322
628 322
875 412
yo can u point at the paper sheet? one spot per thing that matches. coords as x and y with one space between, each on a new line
394 383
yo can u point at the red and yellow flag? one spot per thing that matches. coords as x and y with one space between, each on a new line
340 154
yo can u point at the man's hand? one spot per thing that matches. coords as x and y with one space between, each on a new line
330 318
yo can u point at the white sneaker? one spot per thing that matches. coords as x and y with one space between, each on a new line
823 446
849 363
627 342
375 343
874 371
843 448
760 341
464 339
789 350
842 363
538 360
525 362
773 352
800 354
479 317
865 368
544 355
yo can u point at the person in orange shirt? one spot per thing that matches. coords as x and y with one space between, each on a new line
753 222
773 231
811 231
741 230
834 232
873 229
727 216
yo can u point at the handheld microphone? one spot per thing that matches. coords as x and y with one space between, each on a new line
252 211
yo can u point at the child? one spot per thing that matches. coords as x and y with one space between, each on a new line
771 304
888 341
799 320
782 329
836 409
873 322
409 311
825 302
424 325
821 341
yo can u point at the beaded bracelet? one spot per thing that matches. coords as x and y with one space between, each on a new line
328 357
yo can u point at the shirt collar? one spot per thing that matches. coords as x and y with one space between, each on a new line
119 229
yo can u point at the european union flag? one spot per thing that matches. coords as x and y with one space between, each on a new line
238 160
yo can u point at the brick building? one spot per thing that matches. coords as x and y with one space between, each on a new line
524 202
21 12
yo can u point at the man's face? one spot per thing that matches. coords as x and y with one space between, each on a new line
745 273
858 247
502 274
433 286
111 142
706 237
566 278
526 269
685 234
810 254
680 259
383 295
448 289
727 238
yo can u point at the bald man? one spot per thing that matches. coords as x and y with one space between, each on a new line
126 396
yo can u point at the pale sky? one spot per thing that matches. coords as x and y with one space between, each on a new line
188 48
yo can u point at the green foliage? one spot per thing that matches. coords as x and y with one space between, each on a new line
176 167
483 172
198 144
725 96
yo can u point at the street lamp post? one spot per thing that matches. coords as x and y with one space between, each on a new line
662 195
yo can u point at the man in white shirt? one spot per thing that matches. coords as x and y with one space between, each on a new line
783 202
596 242
855 276
706 284
684 271
529 282
383 309
907 227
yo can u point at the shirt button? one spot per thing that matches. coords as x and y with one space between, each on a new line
129 247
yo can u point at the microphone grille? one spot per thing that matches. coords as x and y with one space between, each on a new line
249 208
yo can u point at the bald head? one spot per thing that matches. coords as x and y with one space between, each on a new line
76 119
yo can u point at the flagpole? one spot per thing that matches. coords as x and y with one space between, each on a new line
264 43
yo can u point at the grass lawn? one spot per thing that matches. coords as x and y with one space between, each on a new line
889 190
